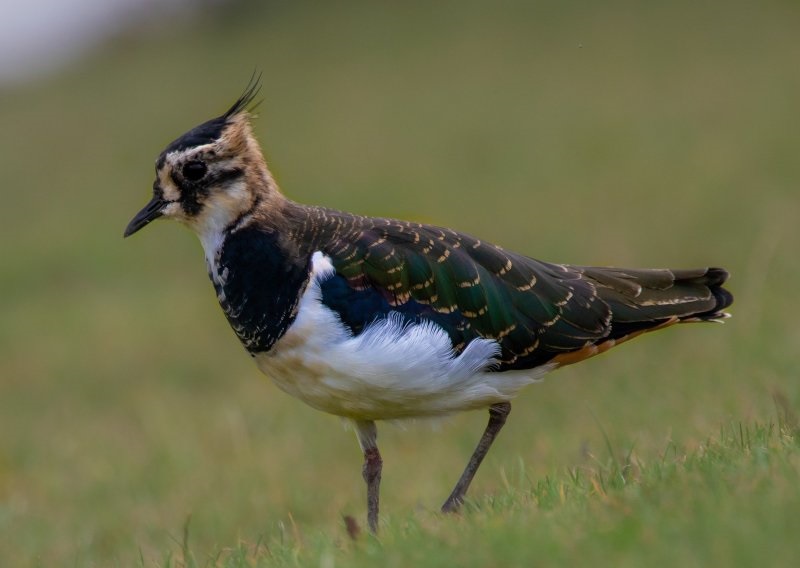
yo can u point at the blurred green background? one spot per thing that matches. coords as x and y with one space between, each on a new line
628 134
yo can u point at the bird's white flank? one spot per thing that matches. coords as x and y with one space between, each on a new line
393 369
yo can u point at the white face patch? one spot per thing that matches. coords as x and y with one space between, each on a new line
220 209
169 190
172 210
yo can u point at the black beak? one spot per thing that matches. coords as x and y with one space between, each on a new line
150 212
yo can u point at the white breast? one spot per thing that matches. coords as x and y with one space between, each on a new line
390 370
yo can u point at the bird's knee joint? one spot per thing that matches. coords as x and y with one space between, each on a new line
499 412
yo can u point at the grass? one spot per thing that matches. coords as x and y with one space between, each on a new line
627 135
672 510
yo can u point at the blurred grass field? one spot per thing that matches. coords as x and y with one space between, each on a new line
629 135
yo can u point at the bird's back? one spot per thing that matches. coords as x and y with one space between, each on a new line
537 312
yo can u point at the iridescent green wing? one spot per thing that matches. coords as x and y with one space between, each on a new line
471 288
537 311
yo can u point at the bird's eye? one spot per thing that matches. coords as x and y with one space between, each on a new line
194 171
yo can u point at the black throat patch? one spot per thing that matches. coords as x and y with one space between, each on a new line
259 286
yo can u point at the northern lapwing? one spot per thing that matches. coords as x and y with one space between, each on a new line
378 319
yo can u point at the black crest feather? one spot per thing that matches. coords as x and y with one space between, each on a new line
211 130
247 97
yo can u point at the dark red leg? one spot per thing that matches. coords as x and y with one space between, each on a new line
497 417
367 438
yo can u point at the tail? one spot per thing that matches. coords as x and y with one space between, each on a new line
644 300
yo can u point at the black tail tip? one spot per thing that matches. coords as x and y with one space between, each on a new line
715 278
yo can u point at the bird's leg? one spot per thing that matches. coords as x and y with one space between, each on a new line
368 437
497 417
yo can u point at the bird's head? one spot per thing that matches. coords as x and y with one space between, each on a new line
212 174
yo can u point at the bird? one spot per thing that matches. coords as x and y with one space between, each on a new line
378 319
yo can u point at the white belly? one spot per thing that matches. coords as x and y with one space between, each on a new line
390 370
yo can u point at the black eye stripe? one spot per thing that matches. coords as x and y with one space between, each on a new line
227 175
211 178
194 191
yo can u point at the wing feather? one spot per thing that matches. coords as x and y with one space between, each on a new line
537 311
